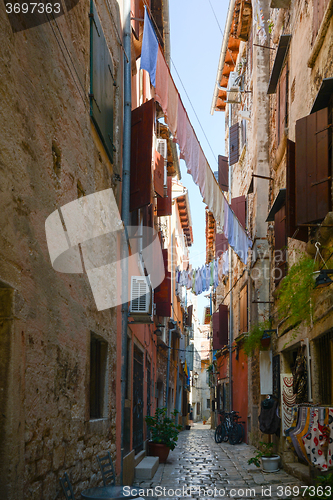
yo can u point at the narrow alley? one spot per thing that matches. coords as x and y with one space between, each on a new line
200 468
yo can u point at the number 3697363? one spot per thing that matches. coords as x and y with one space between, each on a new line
30 8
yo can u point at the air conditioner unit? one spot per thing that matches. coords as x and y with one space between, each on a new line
162 148
141 299
233 90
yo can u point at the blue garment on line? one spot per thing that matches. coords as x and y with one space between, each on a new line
149 49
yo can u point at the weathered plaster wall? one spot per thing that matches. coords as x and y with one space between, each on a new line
49 155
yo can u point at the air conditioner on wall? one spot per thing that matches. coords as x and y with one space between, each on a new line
162 148
141 299
233 90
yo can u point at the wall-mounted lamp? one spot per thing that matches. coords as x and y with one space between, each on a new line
158 332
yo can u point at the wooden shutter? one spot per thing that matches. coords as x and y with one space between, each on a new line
234 144
313 170
216 328
189 315
223 324
280 244
221 244
292 230
164 205
243 327
159 174
101 85
281 106
223 177
141 154
319 7
162 295
238 205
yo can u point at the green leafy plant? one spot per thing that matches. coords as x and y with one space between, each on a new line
295 292
164 430
256 333
266 451
270 25
323 488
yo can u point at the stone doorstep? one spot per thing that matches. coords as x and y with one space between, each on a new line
146 468
298 470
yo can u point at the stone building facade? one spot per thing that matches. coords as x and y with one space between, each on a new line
274 80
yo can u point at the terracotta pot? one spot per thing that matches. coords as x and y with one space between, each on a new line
159 450
265 341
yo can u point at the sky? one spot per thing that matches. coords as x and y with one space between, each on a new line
196 40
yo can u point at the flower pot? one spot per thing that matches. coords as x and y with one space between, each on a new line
270 464
265 341
159 450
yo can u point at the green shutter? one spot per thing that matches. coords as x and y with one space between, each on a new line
101 83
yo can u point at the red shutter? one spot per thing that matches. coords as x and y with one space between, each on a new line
313 177
243 327
221 244
292 230
238 205
223 172
164 205
280 244
223 320
220 327
162 295
141 151
159 174
234 144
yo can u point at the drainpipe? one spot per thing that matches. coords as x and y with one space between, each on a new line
125 213
223 53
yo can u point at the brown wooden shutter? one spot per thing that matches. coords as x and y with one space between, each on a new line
159 174
223 179
216 329
313 170
292 230
162 294
243 327
238 205
189 315
234 144
141 151
319 7
221 244
164 205
280 244
281 106
223 324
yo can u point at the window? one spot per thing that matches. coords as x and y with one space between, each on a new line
208 404
282 104
98 384
101 84
233 144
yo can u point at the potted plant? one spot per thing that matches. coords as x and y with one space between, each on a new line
269 459
164 433
257 337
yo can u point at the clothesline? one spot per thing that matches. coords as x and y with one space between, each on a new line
166 93
201 279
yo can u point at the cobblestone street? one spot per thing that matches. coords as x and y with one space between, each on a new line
198 462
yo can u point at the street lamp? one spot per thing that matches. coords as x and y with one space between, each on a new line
195 378
323 279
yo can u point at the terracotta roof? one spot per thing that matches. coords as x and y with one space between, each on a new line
185 218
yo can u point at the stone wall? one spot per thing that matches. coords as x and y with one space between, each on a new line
50 154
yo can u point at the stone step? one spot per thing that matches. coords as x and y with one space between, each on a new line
146 468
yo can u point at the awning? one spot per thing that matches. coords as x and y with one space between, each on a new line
278 62
278 203
323 96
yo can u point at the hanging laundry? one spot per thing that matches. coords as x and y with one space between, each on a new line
207 276
225 268
193 281
162 81
216 274
149 49
300 377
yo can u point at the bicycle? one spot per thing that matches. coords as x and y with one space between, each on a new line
229 428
